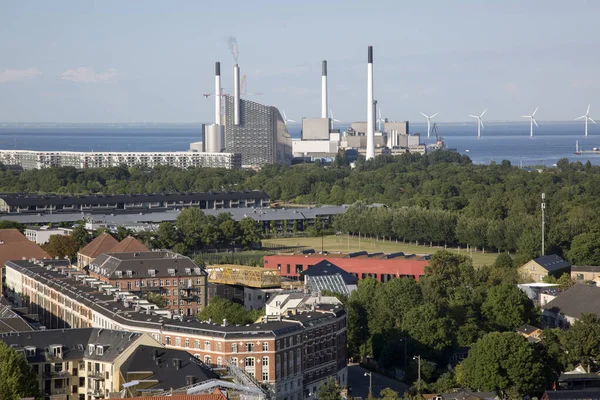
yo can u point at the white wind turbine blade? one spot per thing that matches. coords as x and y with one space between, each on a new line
425 115
290 120
474 116
534 122
484 111
525 116
583 116
434 115
379 111
588 110
481 122
591 120
535 111
284 116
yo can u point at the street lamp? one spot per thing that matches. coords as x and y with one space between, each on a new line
370 383
418 358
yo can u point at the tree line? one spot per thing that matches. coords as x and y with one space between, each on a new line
444 196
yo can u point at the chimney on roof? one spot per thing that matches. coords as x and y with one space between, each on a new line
154 354
224 322
190 380
177 363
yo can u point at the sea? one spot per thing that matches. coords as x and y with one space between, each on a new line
499 140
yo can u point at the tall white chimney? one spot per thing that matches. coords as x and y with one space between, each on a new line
324 91
370 114
218 93
236 94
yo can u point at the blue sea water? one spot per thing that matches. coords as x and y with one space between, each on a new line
499 141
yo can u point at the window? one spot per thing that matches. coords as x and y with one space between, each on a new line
99 350
219 361
265 346
129 274
579 277
234 348
265 361
187 342
207 346
265 375
234 361
207 360
249 362
168 340
218 346
168 292
287 267
291 340
177 341
30 351
137 283
532 268
196 344
91 348
162 283
168 282
250 347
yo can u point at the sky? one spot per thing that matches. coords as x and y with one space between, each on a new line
151 61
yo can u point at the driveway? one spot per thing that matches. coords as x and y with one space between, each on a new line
360 383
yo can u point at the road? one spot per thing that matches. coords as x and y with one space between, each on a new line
360 383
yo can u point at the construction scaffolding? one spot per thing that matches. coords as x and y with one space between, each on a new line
255 277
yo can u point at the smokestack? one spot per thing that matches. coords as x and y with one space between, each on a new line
218 93
370 114
236 94
324 91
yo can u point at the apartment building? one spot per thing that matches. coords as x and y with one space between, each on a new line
79 364
105 243
174 277
292 353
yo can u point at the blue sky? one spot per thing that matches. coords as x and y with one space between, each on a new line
134 61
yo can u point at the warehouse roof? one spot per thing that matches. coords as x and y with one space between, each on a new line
577 300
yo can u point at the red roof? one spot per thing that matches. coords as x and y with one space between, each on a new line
128 245
102 244
216 395
15 246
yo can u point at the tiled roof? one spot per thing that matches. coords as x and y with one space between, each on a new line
527 329
102 244
15 246
129 245
216 395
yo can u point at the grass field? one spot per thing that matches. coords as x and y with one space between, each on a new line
345 244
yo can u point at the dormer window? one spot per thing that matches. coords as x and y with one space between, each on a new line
171 271
91 348
119 274
56 351
151 272
129 273
99 350
188 271
29 351
198 271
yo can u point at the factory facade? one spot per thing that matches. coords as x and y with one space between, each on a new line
293 353
32 159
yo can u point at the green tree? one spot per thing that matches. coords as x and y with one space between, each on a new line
506 308
504 260
81 235
585 249
61 246
389 394
190 222
219 309
166 235
430 326
123 232
564 281
250 233
156 299
329 391
503 363
17 379
6 224
582 340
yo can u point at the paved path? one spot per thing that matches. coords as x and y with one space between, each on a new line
360 383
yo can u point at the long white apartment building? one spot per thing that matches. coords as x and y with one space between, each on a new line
31 159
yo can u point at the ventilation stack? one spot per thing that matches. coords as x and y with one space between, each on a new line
370 107
236 94
218 93
324 91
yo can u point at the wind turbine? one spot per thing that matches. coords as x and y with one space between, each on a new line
429 122
285 118
479 122
379 120
587 118
332 119
531 121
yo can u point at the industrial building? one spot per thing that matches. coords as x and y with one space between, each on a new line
21 203
33 159
379 266
293 353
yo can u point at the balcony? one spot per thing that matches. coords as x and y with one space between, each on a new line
56 374
58 391
96 393
96 375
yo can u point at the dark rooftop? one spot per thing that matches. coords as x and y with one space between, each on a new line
325 267
590 394
585 268
150 264
527 329
170 368
577 300
552 262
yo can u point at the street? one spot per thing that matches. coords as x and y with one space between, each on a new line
360 383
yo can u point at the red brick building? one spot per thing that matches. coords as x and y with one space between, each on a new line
382 267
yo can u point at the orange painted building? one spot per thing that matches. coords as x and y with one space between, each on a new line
379 266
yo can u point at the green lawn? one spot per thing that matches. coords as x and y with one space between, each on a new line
345 244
